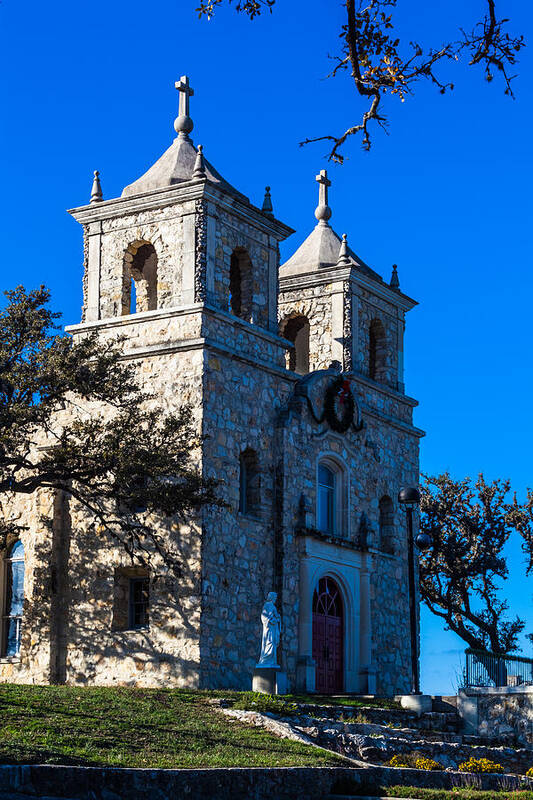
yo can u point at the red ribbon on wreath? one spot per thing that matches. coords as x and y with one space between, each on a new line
344 391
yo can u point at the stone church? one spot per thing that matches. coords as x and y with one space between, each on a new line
295 375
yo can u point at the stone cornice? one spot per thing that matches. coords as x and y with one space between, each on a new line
383 389
209 345
405 427
134 319
335 274
180 193
249 327
168 313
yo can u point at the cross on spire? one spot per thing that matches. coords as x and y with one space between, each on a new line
325 183
183 124
323 211
184 88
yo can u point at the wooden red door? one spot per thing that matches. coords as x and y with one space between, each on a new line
328 637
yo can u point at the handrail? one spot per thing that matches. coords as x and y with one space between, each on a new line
484 669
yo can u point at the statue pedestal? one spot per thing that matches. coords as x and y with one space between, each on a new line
269 680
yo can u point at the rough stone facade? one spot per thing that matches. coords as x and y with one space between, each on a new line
498 713
204 629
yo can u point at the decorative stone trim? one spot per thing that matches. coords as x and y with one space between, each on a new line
200 256
85 280
347 339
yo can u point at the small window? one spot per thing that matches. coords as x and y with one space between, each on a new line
241 284
131 601
377 351
249 494
13 601
327 499
386 525
139 594
297 329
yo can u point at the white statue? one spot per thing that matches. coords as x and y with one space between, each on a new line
271 632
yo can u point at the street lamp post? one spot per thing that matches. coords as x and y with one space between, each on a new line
409 497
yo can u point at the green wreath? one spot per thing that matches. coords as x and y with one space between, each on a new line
339 385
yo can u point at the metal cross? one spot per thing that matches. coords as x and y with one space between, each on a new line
185 91
322 179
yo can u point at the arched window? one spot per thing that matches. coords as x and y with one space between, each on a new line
241 284
377 351
327 498
139 289
386 525
13 600
296 329
249 483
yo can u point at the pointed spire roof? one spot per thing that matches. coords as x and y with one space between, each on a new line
199 164
268 208
395 281
96 191
323 247
344 259
178 162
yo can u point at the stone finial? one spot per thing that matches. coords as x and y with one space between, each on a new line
344 259
395 281
96 191
267 203
183 124
323 211
199 164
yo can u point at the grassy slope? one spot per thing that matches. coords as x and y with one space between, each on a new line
455 794
135 728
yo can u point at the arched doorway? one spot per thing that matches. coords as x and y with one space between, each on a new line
328 632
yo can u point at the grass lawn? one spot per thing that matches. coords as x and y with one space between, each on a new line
454 794
123 727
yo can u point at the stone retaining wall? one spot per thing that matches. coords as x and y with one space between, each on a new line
500 713
90 783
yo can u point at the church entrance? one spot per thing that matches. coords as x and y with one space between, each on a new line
328 629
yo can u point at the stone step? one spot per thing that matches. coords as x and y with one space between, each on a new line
431 720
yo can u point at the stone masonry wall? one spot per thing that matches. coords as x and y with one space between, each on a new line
240 407
498 713
368 479
68 625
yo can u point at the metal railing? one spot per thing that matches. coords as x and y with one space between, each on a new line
488 669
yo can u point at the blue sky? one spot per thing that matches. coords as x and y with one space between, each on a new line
447 196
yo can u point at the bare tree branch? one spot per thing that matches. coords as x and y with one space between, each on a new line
380 68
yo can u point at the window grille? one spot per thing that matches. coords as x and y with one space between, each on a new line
139 602
13 601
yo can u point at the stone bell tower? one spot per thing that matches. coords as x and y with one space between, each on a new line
185 268
164 244
335 308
